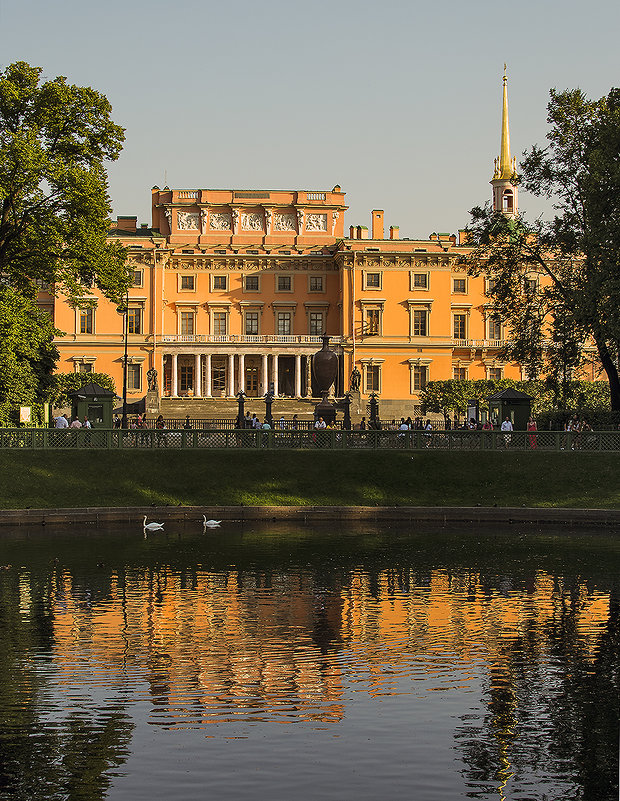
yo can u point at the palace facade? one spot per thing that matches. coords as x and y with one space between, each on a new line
232 290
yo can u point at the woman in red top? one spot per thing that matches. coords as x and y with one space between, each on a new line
531 427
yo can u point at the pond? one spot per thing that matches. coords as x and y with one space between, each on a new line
304 662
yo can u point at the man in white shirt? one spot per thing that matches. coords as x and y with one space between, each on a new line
507 428
62 422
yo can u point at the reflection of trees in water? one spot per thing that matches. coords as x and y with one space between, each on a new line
46 753
552 717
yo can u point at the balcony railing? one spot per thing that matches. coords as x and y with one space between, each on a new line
478 343
249 339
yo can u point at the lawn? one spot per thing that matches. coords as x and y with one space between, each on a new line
50 479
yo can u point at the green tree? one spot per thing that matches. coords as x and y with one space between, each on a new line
27 353
54 205
577 251
63 383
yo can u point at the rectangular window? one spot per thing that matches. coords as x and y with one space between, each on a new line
134 320
459 286
220 282
495 373
218 375
138 277
373 378
219 323
188 282
187 323
250 283
316 323
85 368
373 280
460 373
491 284
316 283
284 323
531 285
420 377
420 323
460 326
420 280
251 322
373 322
87 317
495 328
284 283
134 376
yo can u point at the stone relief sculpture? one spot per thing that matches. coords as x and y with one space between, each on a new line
335 216
284 222
235 220
203 221
187 220
220 221
251 222
168 213
300 220
267 220
316 222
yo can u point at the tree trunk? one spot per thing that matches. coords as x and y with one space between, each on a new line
612 375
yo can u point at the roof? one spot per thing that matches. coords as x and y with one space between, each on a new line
91 391
510 394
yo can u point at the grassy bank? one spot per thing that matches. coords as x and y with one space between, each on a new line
50 479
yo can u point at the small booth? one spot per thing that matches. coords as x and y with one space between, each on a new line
510 403
95 402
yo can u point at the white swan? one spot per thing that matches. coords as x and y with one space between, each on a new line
152 526
210 523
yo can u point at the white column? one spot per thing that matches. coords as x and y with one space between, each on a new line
208 375
275 374
231 375
241 372
161 382
175 376
265 374
197 378
308 376
298 375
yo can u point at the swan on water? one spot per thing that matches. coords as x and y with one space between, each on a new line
210 523
152 526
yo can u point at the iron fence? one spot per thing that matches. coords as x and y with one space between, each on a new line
301 439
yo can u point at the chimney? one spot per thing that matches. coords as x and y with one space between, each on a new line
362 232
377 223
126 224
351 232
394 231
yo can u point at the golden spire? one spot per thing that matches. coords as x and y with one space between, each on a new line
505 167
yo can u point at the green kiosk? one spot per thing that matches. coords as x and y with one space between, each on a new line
510 403
95 402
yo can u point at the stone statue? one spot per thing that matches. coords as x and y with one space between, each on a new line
151 378
300 220
235 219
356 378
267 221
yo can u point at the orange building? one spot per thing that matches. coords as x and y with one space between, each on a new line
232 290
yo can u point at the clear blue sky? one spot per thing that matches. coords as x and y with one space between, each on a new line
398 102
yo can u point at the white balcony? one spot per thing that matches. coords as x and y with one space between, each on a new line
248 339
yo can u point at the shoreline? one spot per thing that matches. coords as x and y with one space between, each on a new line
304 514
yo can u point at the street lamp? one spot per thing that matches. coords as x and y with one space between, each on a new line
124 311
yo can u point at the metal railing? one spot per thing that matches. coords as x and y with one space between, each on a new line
300 439
251 339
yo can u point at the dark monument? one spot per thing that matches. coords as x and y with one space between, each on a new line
241 410
356 378
325 369
152 394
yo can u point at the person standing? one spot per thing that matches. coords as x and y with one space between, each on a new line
62 421
507 428
532 427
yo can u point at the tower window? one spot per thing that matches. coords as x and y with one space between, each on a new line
507 200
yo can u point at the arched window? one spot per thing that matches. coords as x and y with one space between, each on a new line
507 200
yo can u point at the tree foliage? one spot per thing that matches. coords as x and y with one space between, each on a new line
556 323
54 205
63 383
27 354
453 396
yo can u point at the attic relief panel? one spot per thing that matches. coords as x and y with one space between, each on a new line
251 222
219 221
316 222
284 222
188 221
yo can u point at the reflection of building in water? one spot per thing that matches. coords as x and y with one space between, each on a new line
217 642
216 645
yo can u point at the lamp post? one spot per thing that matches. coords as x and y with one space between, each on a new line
124 311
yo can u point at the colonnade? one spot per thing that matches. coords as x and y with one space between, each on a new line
235 373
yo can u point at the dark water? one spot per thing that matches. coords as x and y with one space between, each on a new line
309 663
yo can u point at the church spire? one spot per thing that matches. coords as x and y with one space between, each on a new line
505 172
